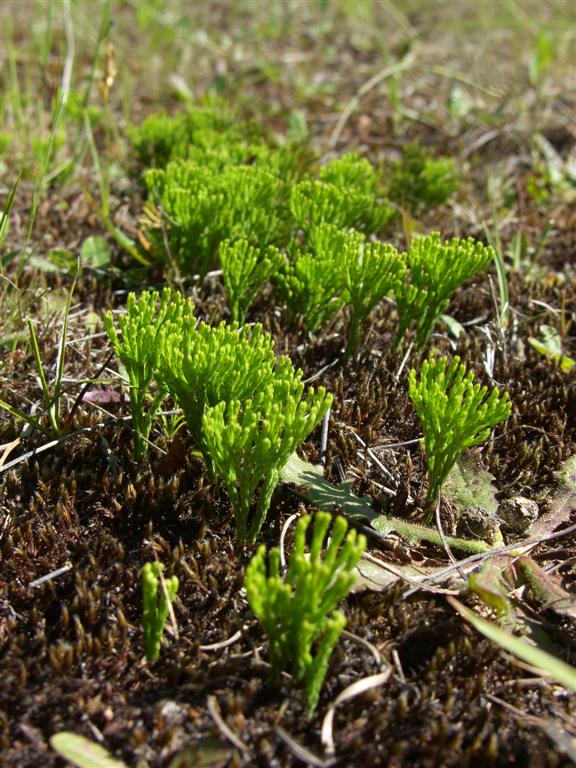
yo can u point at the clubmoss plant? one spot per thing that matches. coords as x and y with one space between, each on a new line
455 414
437 268
249 443
155 606
246 269
420 182
350 171
204 365
297 611
312 283
319 202
160 138
370 271
203 206
137 347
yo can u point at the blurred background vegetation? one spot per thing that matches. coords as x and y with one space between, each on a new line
414 68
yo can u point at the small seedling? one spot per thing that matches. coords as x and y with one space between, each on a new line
298 610
437 268
455 414
156 606
246 270
137 348
248 444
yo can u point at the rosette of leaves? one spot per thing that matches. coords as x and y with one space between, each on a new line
437 268
455 414
136 343
155 606
250 442
420 182
312 282
246 269
201 206
370 271
204 365
298 610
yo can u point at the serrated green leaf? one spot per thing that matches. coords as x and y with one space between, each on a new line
468 486
323 493
82 752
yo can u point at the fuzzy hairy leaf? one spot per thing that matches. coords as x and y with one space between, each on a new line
468 486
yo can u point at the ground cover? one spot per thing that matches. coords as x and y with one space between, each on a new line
307 150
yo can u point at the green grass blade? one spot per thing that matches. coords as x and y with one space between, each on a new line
551 665
7 208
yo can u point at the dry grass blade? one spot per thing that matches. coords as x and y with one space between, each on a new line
223 727
349 693
301 752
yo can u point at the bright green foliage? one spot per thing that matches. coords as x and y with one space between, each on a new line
249 443
204 365
297 611
161 138
319 202
313 283
350 171
455 414
420 182
370 271
137 348
437 268
203 206
217 151
246 270
155 606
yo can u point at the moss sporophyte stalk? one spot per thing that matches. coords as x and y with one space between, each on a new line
298 610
